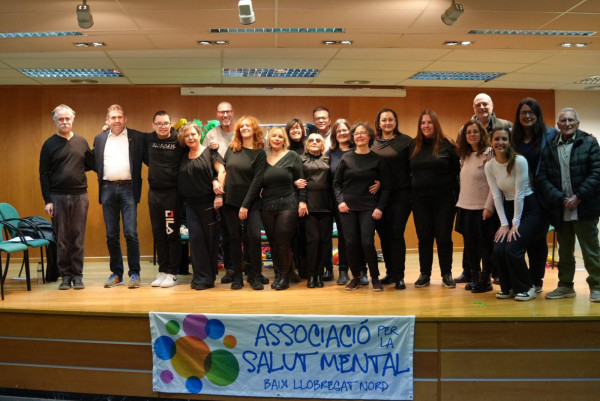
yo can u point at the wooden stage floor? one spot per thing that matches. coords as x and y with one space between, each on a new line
467 346
430 303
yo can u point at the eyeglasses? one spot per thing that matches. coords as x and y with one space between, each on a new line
317 140
223 112
481 104
527 113
361 133
321 118
162 124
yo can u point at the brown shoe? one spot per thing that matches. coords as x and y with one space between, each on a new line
377 287
354 284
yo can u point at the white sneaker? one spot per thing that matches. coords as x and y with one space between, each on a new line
526 296
160 277
169 281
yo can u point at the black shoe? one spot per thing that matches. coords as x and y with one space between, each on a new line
256 283
277 277
388 279
328 276
364 279
423 281
400 284
312 282
482 286
462 279
469 285
294 277
282 284
66 283
448 281
320 283
264 279
354 284
496 280
204 286
343 278
78 283
227 278
237 282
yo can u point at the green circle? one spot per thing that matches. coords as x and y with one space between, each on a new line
221 367
172 327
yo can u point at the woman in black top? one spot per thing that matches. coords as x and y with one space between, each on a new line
393 147
201 175
529 137
281 202
435 167
318 219
360 208
245 162
296 134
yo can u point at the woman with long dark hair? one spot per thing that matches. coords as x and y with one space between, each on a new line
520 217
475 218
530 135
359 208
393 147
296 134
245 162
434 166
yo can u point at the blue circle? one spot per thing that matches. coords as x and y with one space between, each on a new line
215 329
165 348
193 385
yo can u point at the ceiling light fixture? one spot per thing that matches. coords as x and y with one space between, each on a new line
345 42
221 42
452 13
84 15
329 42
246 12
204 42
357 82
89 44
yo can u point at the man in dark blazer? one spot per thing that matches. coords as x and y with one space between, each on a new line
119 153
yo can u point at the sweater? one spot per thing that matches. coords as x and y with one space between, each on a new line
318 183
245 171
278 179
395 154
433 176
164 157
195 176
475 193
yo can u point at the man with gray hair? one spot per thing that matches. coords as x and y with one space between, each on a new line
569 178
64 159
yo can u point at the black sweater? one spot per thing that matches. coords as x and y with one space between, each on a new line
434 175
354 175
245 171
63 163
164 156
196 176
395 153
318 187
278 180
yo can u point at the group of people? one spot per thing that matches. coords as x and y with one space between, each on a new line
500 185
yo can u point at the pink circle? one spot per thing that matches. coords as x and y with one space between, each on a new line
166 376
195 325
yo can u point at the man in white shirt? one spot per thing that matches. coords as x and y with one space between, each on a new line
119 153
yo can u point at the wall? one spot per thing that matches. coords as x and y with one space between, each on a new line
28 124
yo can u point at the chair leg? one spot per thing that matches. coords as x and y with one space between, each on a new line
1 281
42 256
27 272
6 268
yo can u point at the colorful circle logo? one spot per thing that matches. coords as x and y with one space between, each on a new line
191 357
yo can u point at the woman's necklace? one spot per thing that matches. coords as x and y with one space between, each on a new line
276 154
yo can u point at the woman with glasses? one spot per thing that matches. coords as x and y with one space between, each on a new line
529 137
393 147
318 217
245 163
359 208
201 176
281 203
434 166
296 134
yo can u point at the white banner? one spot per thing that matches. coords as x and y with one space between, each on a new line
300 356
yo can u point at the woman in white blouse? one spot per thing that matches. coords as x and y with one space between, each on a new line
520 216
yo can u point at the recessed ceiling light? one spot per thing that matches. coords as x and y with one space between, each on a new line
329 42
466 43
450 43
276 30
84 81
81 44
566 44
221 42
270 72
98 44
89 44
345 42
70 73
529 32
357 82
458 76
204 42
581 44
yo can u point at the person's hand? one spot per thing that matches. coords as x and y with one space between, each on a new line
375 187
486 214
513 234
343 208
218 202
302 209
243 214
377 214
300 183
572 202
501 234
49 208
217 189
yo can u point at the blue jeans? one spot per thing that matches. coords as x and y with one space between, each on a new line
117 201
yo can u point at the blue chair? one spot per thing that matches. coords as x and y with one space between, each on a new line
10 247
9 214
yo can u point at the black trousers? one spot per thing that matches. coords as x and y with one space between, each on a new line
434 219
359 233
509 257
280 226
203 225
391 233
70 216
319 226
165 218
234 227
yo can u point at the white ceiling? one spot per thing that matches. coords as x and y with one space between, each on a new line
154 41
